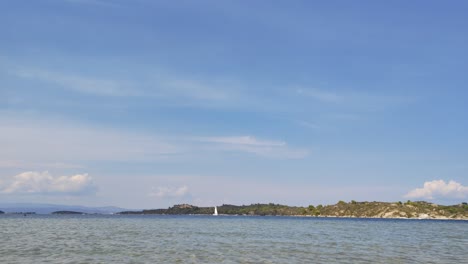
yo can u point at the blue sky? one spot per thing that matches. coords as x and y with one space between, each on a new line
150 103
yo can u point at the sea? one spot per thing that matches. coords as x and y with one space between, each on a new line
228 239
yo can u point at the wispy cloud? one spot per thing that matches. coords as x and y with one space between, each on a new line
243 140
59 143
321 95
439 189
206 92
106 3
264 148
78 83
196 90
50 165
159 87
352 99
29 143
33 182
343 116
309 125
169 192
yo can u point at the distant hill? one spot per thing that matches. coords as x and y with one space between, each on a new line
50 208
420 210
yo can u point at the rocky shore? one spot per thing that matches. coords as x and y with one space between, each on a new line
418 210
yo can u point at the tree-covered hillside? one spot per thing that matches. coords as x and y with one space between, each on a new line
341 209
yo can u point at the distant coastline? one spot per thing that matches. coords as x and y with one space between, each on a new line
353 209
67 213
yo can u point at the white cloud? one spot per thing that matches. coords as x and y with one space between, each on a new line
33 182
439 189
265 148
170 192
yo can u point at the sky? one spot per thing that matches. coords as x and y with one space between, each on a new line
146 104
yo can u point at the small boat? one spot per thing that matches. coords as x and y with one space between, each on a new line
215 211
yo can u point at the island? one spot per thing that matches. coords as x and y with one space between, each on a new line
408 209
22 213
1 212
67 213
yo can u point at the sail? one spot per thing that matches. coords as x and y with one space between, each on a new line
215 211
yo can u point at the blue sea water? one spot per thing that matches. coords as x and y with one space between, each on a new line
228 239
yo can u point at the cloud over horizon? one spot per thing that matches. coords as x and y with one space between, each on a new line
33 182
439 189
169 192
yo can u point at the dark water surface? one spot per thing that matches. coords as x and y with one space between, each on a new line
228 239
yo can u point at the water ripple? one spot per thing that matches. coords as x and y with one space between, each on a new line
206 239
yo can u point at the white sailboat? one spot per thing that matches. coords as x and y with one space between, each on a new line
216 211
